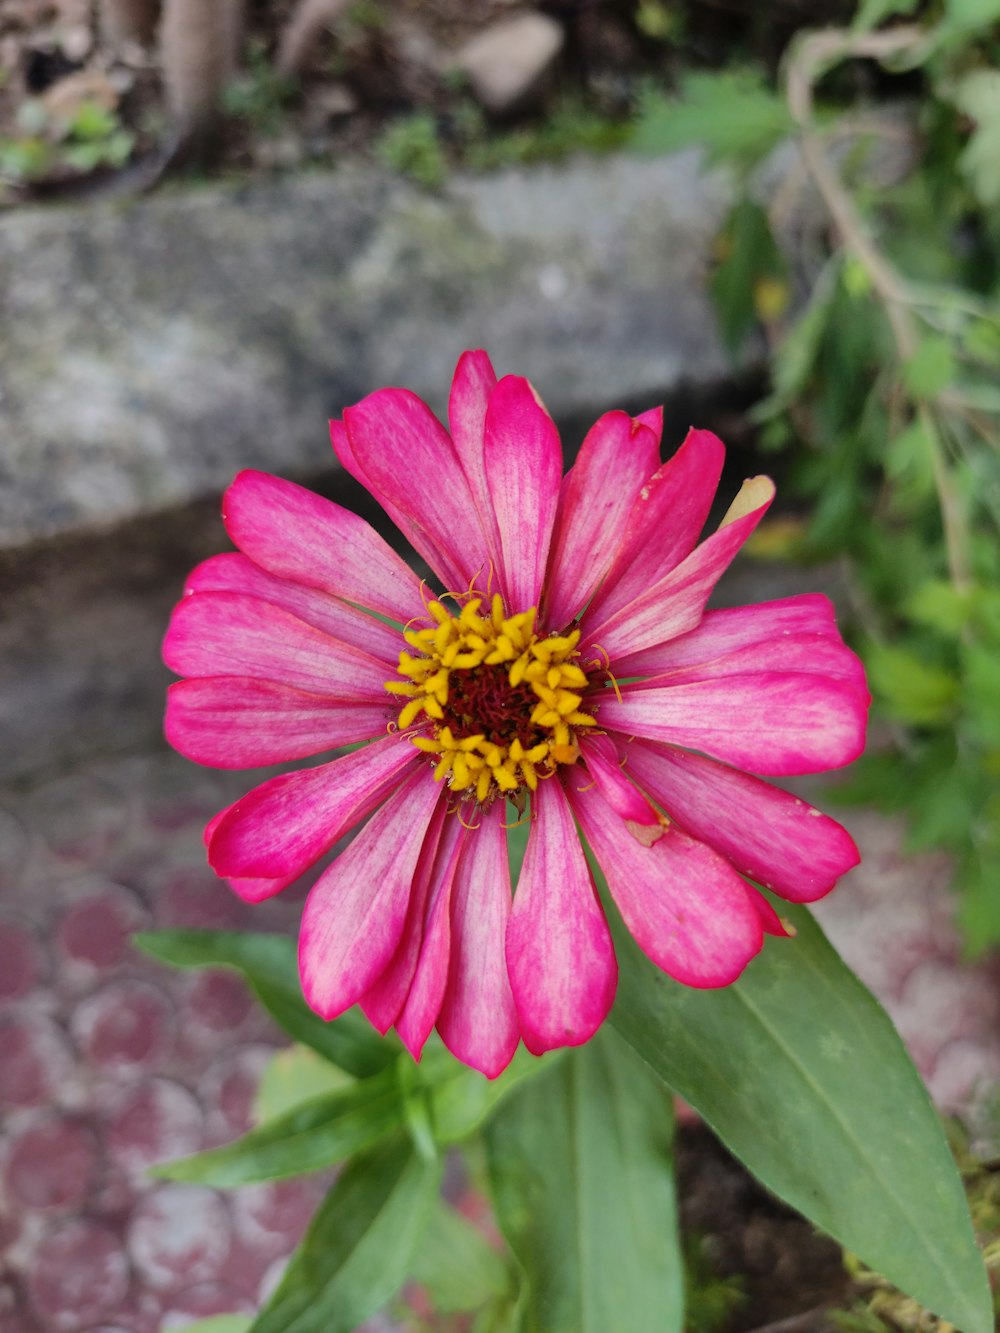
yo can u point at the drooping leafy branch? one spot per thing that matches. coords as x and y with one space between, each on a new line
884 389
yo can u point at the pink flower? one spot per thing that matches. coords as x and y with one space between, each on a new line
569 666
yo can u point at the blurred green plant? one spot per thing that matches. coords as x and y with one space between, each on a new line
413 147
259 96
420 147
45 144
570 126
661 21
885 390
710 1301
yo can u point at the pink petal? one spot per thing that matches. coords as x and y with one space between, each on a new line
426 993
477 1021
523 465
285 824
475 379
230 634
769 834
665 521
605 771
727 630
213 824
653 420
253 890
686 907
815 654
355 913
559 954
592 514
238 722
770 722
397 448
384 1001
770 922
297 535
260 889
237 573
676 603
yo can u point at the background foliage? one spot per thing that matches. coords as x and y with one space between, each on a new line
884 353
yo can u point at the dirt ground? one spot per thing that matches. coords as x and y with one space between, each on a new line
90 99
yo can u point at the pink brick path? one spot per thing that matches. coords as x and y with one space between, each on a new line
110 1062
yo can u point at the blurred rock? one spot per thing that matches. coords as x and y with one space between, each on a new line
76 42
150 350
507 62
330 103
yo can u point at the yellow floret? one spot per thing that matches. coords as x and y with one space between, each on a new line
466 641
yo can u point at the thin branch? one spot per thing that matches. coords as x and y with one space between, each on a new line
811 57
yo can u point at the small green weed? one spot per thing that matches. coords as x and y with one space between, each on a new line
413 147
93 137
258 97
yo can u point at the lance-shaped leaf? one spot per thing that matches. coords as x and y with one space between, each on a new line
459 1268
801 1074
269 963
582 1181
315 1134
461 1099
359 1247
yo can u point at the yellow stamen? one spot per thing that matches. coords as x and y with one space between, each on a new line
497 705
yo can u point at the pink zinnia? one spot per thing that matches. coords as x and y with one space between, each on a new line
569 671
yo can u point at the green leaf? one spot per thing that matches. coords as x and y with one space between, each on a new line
25 159
732 114
292 1076
873 12
966 16
412 146
910 688
979 902
978 96
582 1182
940 606
313 1135
930 369
799 1071
463 1099
794 360
981 679
981 340
909 465
749 257
457 1265
359 1247
269 963
93 122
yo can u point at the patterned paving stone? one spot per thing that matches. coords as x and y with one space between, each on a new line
892 919
111 1062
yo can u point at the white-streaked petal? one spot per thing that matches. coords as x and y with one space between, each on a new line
559 954
355 913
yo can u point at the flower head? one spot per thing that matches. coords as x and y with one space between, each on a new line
566 672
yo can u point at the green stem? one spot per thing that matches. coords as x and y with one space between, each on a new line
812 56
